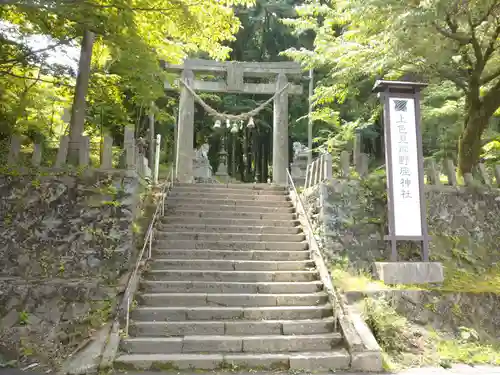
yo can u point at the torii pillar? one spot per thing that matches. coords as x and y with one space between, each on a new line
185 131
280 132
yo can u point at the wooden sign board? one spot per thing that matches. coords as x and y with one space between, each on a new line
404 163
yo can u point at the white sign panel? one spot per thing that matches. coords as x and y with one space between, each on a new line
405 179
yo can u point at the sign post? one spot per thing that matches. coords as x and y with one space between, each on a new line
404 164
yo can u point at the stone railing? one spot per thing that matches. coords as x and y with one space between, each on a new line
131 157
444 174
364 350
433 172
319 170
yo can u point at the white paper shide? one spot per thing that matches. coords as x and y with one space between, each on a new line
405 176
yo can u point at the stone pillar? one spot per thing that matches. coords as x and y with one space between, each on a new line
307 182
84 151
222 166
280 132
317 171
36 158
185 131
357 148
174 148
321 168
157 158
497 174
14 150
151 140
129 146
328 167
107 153
62 152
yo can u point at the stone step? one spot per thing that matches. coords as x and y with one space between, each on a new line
338 359
233 215
230 265
208 228
240 195
230 287
193 205
223 236
231 328
221 299
230 245
299 182
231 344
225 222
261 187
175 201
268 255
231 313
236 276
229 192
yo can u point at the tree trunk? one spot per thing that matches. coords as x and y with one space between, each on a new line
469 143
79 106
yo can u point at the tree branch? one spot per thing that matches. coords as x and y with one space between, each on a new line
491 46
486 15
17 2
476 46
459 37
60 43
490 77
452 25
453 78
36 79
33 4
491 101
145 9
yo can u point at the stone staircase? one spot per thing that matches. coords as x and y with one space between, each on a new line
231 285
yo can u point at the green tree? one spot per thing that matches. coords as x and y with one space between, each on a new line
134 35
264 37
439 40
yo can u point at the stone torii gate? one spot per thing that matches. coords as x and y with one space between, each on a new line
234 82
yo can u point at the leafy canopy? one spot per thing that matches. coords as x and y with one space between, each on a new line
132 37
435 40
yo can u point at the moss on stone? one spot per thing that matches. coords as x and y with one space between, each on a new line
163 366
463 280
466 349
406 344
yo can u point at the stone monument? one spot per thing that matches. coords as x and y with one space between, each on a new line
201 164
298 167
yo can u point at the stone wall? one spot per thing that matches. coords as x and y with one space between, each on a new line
351 216
350 219
66 241
446 312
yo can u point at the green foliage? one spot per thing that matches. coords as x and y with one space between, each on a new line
442 119
388 327
461 279
111 203
132 37
23 318
401 341
31 107
450 44
467 349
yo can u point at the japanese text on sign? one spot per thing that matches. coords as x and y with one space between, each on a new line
405 173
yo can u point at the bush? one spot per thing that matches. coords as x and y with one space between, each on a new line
389 328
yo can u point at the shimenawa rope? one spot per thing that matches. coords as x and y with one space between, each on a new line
243 116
